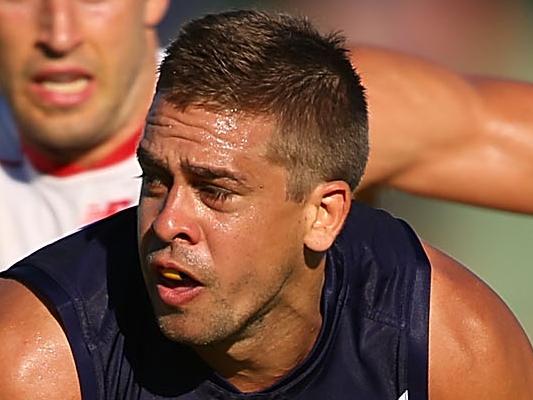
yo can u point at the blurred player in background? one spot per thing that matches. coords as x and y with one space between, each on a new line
77 77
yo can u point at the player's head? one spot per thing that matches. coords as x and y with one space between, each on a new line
76 72
281 68
254 142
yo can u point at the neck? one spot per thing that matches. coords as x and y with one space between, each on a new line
272 346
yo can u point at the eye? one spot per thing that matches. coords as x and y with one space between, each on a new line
152 184
214 196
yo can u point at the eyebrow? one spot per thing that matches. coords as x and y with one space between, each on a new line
212 172
146 159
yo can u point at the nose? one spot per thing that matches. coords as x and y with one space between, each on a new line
59 31
176 221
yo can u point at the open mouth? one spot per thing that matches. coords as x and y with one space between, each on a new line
62 88
65 87
174 279
65 81
177 288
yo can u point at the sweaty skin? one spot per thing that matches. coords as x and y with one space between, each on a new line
35 356
477 348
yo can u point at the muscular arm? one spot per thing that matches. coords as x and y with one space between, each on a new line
477 348
35 358
438 134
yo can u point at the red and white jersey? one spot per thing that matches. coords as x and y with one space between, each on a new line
37 208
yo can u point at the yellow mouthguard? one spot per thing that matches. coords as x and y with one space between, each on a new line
171 274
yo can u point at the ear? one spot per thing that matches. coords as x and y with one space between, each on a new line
329 204
155 10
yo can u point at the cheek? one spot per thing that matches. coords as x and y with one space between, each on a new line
114 22
240 231
147 212
13 16
233 246
108 16
103 25
14 52
244 249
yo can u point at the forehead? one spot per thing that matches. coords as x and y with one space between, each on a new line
227 132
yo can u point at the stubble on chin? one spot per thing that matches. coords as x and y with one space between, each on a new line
198 329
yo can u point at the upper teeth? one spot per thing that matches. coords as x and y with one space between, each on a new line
66 87
171 274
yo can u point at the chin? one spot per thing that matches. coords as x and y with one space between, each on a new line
189 335
195 333
67 129
52 136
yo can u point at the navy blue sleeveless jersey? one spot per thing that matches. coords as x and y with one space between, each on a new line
373 344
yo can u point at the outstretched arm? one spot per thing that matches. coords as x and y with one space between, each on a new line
438 134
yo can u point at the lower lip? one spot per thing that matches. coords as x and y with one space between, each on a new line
62 100
177 296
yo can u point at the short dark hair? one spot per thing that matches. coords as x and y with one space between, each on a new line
278 66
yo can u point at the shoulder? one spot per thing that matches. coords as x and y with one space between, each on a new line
36 361
477 347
